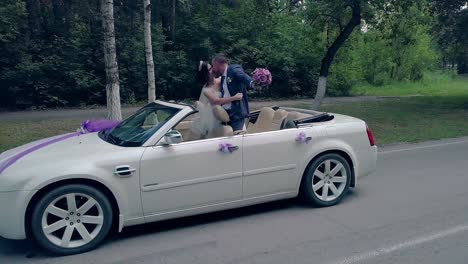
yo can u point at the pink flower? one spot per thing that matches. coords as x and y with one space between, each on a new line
262 76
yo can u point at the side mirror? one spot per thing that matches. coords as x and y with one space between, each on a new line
172 137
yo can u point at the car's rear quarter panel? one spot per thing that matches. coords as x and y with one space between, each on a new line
352 131
345 134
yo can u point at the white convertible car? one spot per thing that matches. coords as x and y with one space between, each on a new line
68 193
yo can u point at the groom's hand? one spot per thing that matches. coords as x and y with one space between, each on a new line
238 96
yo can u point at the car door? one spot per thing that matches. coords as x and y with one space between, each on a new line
271 162
190 174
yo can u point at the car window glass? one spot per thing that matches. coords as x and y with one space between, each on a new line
139 127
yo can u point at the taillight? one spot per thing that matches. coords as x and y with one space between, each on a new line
370 136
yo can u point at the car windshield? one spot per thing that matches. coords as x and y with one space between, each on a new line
135 130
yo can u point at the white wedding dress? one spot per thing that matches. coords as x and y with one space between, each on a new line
204 121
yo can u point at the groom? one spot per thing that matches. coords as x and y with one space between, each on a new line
233 80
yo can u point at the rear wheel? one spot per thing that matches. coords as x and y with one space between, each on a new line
327 180
71 219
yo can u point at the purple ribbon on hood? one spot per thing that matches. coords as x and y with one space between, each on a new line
87 126
7 163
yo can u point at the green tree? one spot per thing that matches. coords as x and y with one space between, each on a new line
450 32
52 53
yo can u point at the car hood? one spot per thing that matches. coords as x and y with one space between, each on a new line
72 149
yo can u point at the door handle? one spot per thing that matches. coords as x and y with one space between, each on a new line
124 171
233 148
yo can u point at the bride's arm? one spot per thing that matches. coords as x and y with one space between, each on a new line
215 100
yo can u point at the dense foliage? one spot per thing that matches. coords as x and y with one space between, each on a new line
51 50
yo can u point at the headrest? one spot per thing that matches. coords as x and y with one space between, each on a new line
267 111
280 114
220 114
293 116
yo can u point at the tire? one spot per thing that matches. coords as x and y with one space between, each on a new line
63 230
324 188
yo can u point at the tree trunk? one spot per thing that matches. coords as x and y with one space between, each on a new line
59 9
149 52
34 18
331 52
110 60
173 19
292 5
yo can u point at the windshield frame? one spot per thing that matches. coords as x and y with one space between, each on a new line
158 135
154 134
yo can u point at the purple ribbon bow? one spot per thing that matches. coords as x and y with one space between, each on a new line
302 138
89 126
225 147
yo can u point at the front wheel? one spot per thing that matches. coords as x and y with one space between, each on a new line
71 219
327 180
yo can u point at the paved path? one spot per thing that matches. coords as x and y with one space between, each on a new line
413 209
101 112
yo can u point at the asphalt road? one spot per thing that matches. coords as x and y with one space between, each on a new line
413 209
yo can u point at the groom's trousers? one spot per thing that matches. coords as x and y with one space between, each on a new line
237 124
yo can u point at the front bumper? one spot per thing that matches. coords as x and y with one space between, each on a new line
12 213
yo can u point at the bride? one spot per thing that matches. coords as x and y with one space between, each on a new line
210 95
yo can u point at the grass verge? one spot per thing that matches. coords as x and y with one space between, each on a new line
16 133
432 85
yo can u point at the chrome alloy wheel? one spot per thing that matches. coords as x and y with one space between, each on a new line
329 180
72 220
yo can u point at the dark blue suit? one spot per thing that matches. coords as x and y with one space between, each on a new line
237 82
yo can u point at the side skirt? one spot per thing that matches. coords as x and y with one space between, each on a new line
214 207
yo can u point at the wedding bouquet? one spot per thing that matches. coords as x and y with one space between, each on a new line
262 77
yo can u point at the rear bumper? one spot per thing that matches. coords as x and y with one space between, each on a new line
13 209
367 161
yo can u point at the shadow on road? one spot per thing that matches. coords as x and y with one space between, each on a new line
186 222
28 249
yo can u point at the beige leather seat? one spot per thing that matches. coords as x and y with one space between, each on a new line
291 116
296 115
278 119
185 128
268 120
225 130
264 121
193 135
